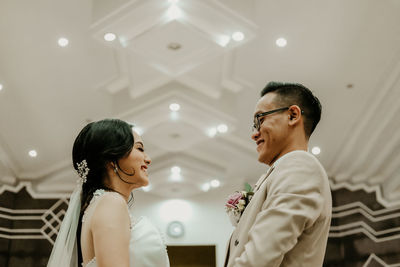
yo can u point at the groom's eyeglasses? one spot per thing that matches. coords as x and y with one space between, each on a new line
257 123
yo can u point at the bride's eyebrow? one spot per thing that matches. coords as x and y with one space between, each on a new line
140 143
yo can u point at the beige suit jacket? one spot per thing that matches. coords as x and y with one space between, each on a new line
287 221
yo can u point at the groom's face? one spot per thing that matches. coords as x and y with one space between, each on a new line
271 139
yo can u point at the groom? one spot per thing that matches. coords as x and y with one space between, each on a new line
287 221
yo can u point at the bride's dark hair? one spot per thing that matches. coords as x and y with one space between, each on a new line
99 143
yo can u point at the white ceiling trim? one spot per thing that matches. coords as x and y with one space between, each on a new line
368 113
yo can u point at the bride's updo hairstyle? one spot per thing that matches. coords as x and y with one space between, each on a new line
100 143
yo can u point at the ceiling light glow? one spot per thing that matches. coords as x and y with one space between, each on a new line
33 153
1 87
215 183
281 42
205 187
176 177
174 107
316 150
176 169
174 12
238 36
222 128
109 37
224 40
212 132
63 42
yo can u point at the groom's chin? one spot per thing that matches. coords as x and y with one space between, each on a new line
261 158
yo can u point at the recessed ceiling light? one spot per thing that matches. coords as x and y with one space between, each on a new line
174 107
212 132
33 153
174 12
215 183
63 42
238 36
316 150
1 87
176 169
222 128
109 37
281 42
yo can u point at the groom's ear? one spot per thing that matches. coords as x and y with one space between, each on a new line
294 115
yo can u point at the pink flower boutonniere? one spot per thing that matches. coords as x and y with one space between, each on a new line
237 202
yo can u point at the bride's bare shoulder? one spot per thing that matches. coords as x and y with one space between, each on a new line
111 208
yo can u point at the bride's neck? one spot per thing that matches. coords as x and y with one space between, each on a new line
116 185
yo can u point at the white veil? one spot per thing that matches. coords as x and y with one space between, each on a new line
64 253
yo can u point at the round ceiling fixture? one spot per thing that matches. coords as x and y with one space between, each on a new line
281 42
175 229
33 153
174 46
222 128
63 42
174 107
238 36
215 183
109 37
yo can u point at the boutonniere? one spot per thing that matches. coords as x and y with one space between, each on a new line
237 202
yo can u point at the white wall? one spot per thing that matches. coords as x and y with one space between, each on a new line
208 223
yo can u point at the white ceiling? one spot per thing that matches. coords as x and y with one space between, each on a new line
49 92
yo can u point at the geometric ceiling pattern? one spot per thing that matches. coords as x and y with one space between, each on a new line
212 58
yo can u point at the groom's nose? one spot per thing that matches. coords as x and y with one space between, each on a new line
255 135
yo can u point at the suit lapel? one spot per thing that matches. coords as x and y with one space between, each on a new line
262 179
228 250
256 187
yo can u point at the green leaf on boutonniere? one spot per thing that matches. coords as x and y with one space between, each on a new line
248 188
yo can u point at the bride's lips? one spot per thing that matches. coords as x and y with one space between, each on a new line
144 168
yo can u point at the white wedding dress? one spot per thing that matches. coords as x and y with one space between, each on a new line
146 247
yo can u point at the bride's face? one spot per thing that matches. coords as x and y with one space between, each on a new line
137 161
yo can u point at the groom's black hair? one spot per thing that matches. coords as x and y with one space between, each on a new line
288 94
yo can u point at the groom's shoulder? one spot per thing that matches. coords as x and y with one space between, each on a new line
299 160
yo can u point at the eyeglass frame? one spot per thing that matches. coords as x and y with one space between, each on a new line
256 121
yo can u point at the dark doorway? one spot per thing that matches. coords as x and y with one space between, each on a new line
192 256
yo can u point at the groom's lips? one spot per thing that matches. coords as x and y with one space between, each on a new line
259 142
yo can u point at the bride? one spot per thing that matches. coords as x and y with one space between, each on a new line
98 229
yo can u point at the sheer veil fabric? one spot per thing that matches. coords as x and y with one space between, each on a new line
64 253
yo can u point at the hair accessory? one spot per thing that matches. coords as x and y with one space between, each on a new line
83 170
